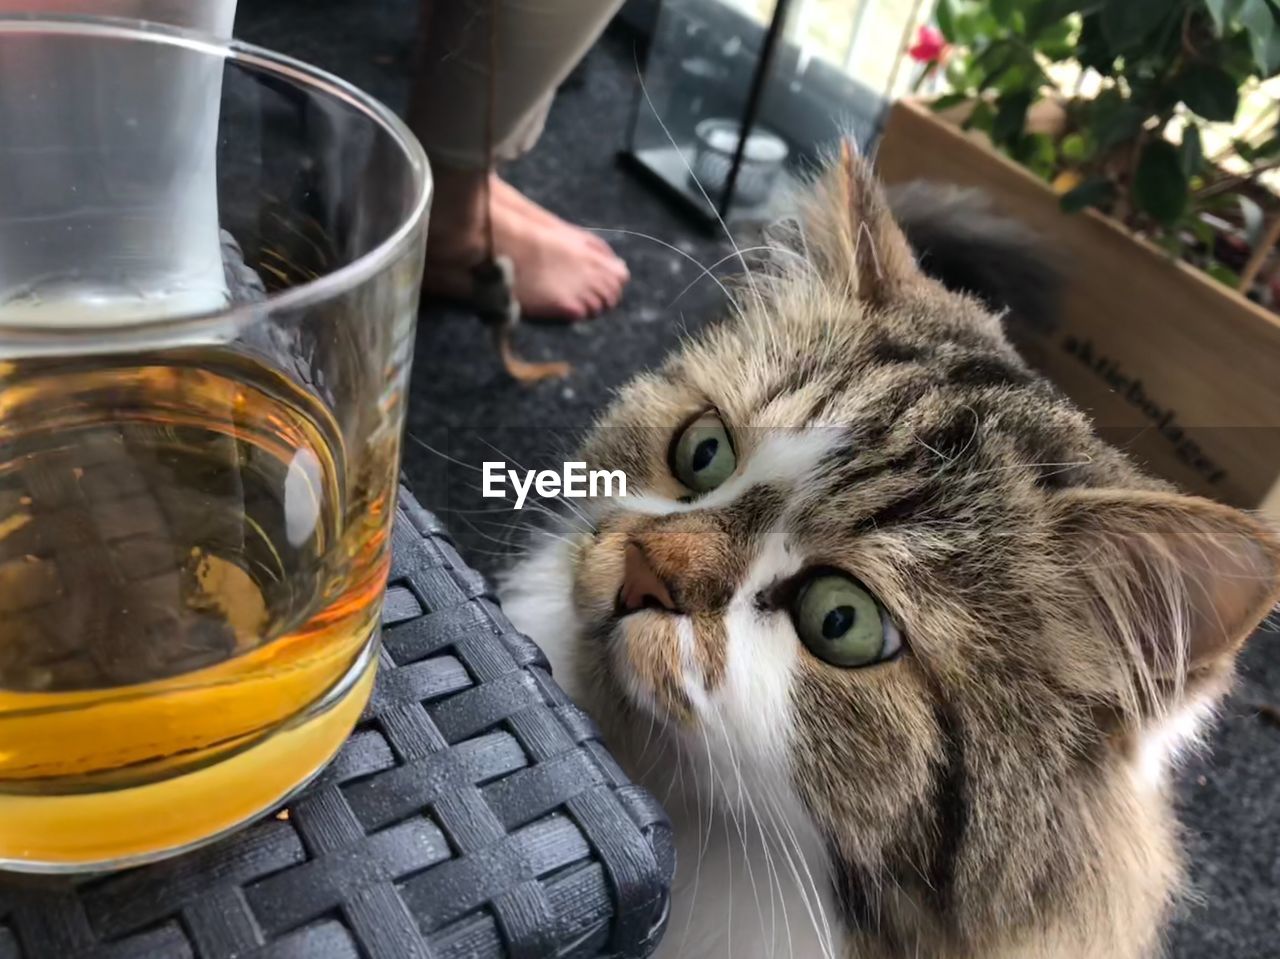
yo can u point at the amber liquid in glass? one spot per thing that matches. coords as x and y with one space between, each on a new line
189 595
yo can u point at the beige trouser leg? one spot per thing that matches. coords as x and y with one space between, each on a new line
539 43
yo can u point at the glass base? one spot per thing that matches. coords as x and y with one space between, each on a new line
103 831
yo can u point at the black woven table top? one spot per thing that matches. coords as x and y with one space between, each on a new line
473 813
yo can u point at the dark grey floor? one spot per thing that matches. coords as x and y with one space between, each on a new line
463 405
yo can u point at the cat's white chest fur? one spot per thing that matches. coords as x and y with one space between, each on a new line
748 885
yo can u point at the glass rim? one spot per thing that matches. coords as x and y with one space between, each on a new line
235 316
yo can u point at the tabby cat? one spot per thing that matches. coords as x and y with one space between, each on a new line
906 648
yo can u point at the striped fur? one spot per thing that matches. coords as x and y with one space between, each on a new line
991 792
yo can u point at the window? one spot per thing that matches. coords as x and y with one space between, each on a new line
864 38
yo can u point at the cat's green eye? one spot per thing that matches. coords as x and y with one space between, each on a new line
842 624
703 457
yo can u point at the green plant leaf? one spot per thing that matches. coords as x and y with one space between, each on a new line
1160 186
1075 148
1268 149
990 65
981 118
1126 23
1209 91
973 24
1059 42
1114 120
946 20
1224 203
1057 52
1222 11
1055 33
1171 242
948 100
1003 10
1245 150
1223 275
1011 117
1259 19
1203 231
1038 153
1095 191
1192 150
986 53
1023 75
1044 15
1234 52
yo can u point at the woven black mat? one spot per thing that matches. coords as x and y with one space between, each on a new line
473 813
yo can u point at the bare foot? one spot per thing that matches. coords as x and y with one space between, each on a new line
504 192
560 273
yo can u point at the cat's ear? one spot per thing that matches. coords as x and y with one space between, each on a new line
850 233
1178 581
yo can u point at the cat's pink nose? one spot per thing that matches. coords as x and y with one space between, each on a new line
642 587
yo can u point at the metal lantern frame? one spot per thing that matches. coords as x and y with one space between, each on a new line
712 208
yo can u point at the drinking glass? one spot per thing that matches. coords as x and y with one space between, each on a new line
209 266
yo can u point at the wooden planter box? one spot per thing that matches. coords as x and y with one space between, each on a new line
1179 370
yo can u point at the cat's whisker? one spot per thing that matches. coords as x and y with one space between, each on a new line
733 813
813 906
948 460
693 177
506 496
702 844
771 873
729 297
1061 467
530 528
684 337
679 751
475 512
566 523
513 528
744 798
672 781
479 551
823 924
728 942
568 504
569 520
713 768
532 504
658 758
968 444
711 773
775 880
777 837
708 270
441 454
505 544
648 737
575 517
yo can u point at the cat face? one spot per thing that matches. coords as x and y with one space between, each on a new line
892 582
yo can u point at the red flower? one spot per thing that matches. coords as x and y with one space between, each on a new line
930 46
